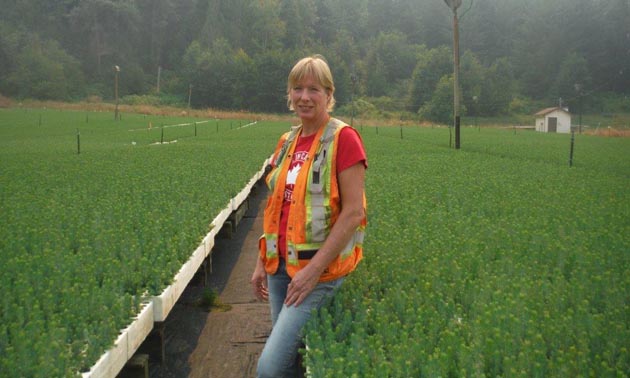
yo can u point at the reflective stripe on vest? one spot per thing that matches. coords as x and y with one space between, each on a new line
288 139
316 195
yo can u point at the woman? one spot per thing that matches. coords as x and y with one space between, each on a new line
315 215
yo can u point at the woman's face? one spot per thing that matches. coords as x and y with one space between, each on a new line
309 99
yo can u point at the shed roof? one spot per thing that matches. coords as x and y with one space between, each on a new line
549 110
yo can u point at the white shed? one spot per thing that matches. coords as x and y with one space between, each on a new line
553 120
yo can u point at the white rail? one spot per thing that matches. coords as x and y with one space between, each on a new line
158 308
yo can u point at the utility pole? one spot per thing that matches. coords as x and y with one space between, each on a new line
454 4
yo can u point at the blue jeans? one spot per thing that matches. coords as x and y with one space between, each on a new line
279 356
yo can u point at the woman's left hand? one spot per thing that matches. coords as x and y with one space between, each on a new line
301 286
351 188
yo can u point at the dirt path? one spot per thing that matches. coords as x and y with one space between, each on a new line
220 343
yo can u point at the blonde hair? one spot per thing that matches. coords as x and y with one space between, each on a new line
316 67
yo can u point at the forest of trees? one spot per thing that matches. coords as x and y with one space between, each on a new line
388 55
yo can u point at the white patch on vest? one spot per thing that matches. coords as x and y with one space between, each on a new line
293 173
298 159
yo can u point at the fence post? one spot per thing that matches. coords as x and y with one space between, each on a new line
571 149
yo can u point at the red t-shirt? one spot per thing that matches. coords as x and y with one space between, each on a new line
350 151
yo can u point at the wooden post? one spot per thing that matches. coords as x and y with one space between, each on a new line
456 77
117 69
454 4
571 149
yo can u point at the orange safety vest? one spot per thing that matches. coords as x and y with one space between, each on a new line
314 208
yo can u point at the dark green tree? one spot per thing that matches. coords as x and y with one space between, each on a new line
300 17
573 72
524 48
490 28
107 32
390 59
215 75
440 107
267 27
44 71
243 72
540 47
432 65
272 70
497 90
350 15
9 49
164 32
344 57
473 76
325 27
611 61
